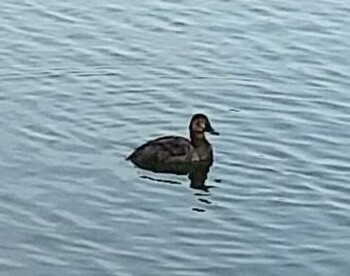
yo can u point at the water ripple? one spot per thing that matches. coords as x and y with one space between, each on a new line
84 83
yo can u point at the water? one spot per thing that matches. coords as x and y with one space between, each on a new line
82 83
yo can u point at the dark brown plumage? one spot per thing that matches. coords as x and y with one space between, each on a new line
175 149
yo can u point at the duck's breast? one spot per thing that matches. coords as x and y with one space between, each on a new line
204 152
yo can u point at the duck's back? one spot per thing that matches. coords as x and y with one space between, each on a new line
167 149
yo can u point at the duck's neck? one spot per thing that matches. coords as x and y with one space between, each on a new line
197 139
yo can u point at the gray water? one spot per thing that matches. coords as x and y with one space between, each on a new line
83 83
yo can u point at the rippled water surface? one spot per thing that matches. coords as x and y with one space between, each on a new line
82 83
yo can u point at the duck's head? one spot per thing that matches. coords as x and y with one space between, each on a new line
200 124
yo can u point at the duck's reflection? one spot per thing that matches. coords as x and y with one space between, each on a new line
197 173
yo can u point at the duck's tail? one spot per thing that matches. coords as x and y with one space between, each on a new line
129 157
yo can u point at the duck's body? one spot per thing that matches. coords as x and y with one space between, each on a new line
175 149
171 149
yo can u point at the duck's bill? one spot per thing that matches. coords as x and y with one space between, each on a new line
213 132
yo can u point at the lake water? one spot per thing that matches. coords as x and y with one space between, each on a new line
82 83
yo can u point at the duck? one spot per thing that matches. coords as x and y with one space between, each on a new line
169 150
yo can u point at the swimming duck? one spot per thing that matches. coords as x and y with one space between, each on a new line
175 149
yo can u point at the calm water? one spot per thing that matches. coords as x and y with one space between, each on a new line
82 83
